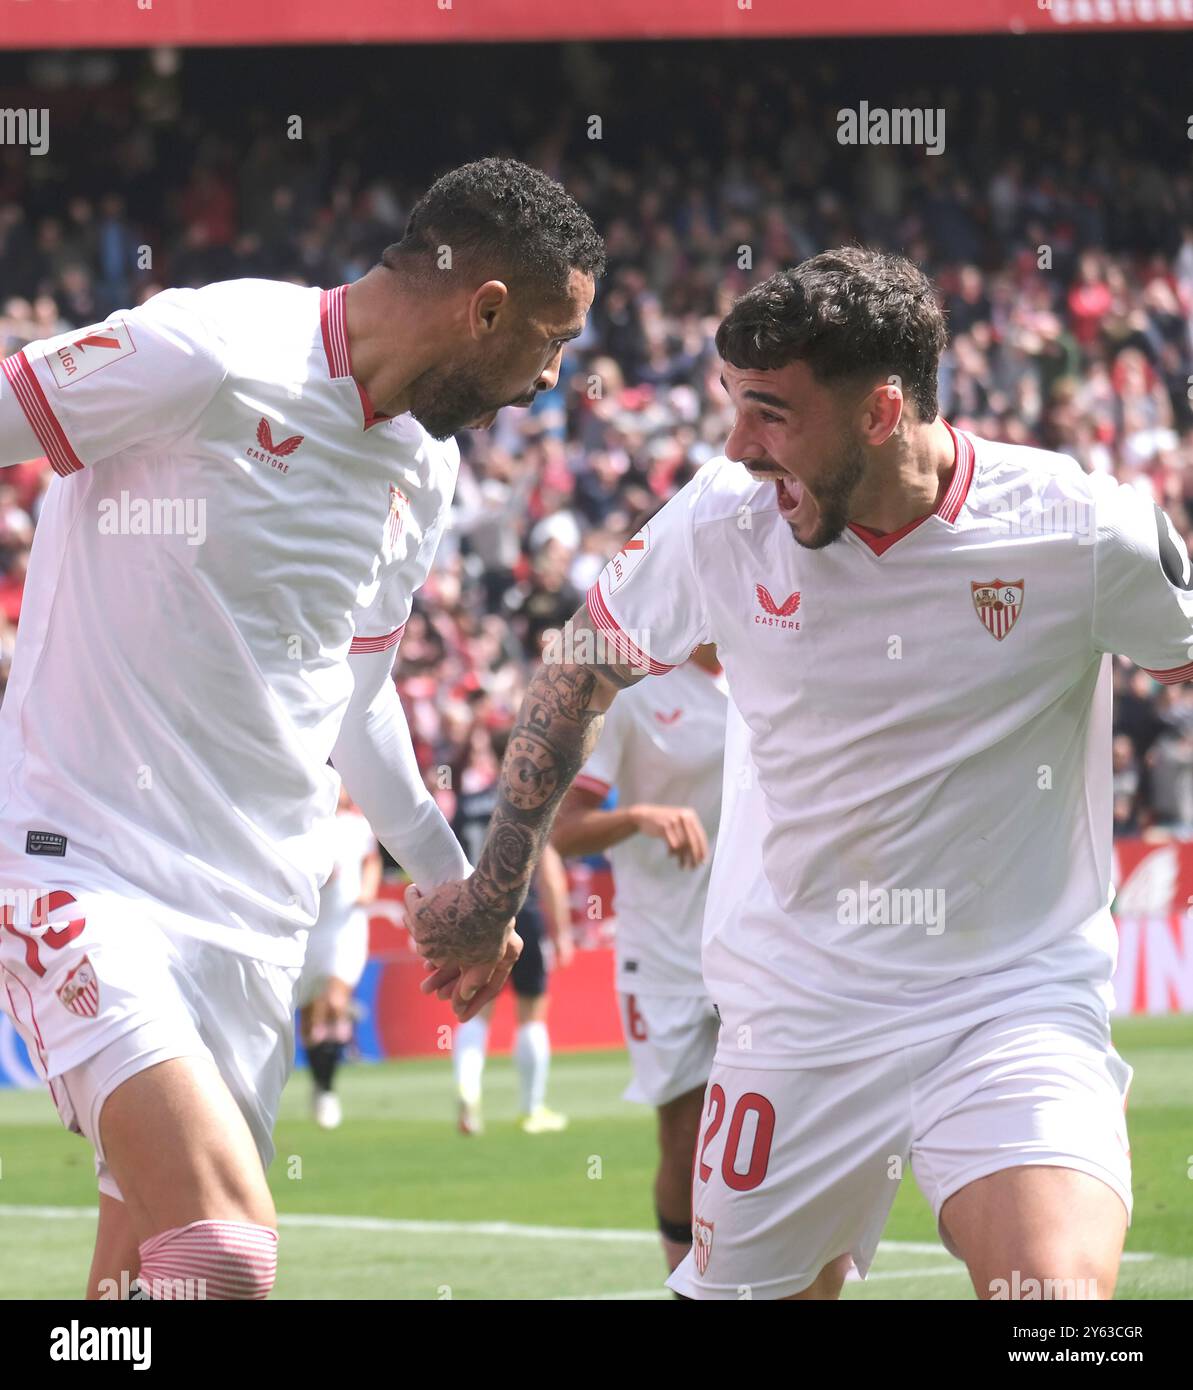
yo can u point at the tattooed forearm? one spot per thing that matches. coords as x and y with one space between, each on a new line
557 728
554 735
556 732
554 725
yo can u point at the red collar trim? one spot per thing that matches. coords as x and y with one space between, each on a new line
333 320
949 506
366 406
958 490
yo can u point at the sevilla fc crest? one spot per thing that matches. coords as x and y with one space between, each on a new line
80 990
999 603
702 1243
395 521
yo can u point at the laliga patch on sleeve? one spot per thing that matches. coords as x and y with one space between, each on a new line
628 558
90 352
1174 554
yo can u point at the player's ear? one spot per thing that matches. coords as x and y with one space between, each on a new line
882 410
488 302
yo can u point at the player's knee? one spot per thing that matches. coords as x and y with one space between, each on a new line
210 1260
1050 1272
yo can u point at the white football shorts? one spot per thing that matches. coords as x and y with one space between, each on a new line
796 1168
338 950
97 1006
671 1041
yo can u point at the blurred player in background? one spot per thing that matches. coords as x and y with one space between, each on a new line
254 478
337 950
662 746
546 913
908 935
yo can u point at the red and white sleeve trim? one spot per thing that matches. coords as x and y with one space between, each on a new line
32 400
627 652
1173 677
591 784
376 644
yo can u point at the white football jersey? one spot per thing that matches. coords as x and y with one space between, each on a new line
232 521
662 743
921 832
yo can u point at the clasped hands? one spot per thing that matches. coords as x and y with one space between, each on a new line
469 952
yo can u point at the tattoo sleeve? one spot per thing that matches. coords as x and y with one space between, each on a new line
558 726
556 730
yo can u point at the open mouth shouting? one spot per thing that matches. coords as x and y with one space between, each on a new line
797 506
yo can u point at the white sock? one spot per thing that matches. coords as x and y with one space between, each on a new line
532 1051
468 1058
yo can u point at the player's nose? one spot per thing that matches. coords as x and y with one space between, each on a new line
738 447
752 460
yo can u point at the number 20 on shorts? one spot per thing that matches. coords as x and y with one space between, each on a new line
764 1134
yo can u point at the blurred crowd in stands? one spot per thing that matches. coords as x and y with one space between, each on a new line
1061 242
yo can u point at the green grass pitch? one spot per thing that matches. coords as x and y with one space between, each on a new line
396 1204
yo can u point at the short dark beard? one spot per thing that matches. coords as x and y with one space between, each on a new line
445 400
833 501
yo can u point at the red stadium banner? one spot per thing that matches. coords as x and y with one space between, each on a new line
145 23
1154 911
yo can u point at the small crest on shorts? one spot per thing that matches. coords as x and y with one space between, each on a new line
702 1243
80 990
998 603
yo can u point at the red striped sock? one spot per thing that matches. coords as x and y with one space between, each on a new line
210 1259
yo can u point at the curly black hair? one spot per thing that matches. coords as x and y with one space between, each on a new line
504 219
846 313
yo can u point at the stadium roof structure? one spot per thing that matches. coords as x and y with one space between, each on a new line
26 24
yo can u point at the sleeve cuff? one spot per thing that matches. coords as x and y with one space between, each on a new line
42 420
376 644
627 652
1174 676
